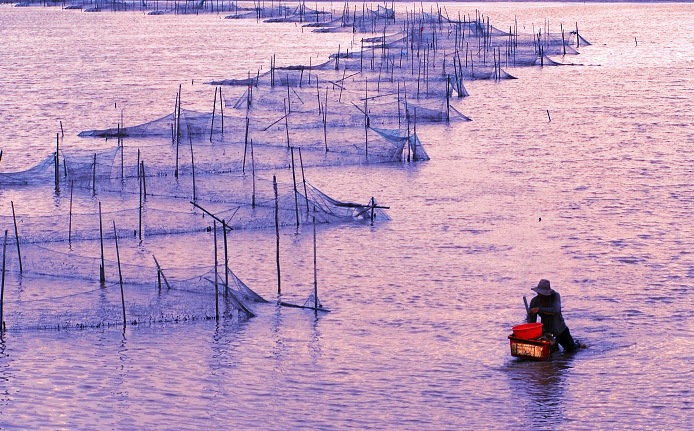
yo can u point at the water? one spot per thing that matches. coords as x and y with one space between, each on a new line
598 200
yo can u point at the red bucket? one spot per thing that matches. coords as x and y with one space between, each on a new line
528 331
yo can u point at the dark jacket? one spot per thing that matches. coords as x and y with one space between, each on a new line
550 314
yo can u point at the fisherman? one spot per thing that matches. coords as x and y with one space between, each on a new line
547 304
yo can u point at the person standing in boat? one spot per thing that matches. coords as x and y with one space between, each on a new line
547 303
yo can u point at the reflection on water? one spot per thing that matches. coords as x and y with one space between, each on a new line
538 389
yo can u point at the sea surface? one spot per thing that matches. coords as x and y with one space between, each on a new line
582 174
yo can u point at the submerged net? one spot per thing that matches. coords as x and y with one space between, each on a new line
75 297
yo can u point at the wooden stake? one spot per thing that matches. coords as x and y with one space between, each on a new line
286 121
178 126
57 165
140 207
122 161
245 145
277 233
216 285
214 106
303 178
144 180
221 108
192 162
366 117
226 258
120 274
209 213
94 177
296 198
252 175
69 223
315 269
160 271
2 286
102 270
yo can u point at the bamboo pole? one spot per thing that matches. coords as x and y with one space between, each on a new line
140 206
214 106
69 223
120 274
16 235
216 285
144 180
245 145
209 213
2 286
221 108
160 271
303 178
102 269
178 126
325 120
296 192
192 162
57 165
286 121
226 258
94 177
252 175
122 159
315 269
366 117
277 233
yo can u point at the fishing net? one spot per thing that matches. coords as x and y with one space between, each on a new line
62 290
241 164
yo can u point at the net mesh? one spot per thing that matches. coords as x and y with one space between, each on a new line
190 171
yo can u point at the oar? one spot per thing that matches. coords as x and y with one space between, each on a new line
527 308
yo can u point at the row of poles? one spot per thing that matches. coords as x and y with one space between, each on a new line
102 276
